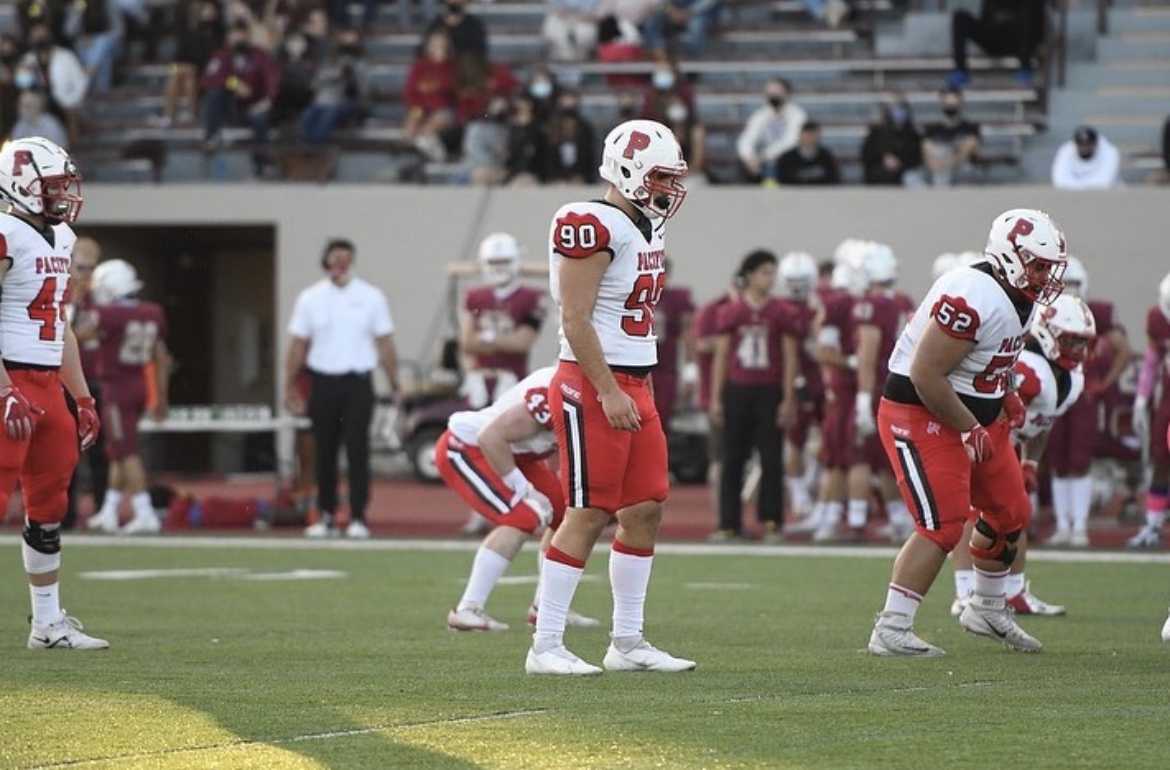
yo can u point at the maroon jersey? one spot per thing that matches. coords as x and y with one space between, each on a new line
1100 361
674 305
496 315
84 314
839 316
1158 336
127 333
756 353
802 315
885 311
706 326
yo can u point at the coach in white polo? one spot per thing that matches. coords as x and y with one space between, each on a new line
340 331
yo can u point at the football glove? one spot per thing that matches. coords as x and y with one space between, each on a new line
1031 473
977 442
1014 410
88 424
19 415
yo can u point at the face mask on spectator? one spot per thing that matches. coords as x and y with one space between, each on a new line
898 114
663 79
454 9
296 46
24 79
951 110
776 101
676 112
541 89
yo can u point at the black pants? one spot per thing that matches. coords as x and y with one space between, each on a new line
749 413
99 469
340 408
1016 39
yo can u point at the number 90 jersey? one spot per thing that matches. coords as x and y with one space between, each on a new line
32 296
969 304
623 315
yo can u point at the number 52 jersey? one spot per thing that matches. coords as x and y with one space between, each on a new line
623 315
969 304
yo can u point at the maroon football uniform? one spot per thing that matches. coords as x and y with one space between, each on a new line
810 387
1158 336
498 314
706 326
756 354
670 314
127 333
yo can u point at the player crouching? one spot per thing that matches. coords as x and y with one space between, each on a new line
493 458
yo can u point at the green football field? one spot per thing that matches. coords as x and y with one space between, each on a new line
238 665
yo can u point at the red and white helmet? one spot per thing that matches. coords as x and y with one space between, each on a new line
798 271
1030 252
1076 278
880 264
114 279
1164 296
643 160
37 177
499 259
1065 331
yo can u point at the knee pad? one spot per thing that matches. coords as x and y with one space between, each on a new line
1003 546
41 549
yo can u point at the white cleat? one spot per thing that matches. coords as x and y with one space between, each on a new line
559 662
66 634
103 521
1148 537
1166 630
893 637
142 525
473 619
804 525
319 530
825 533
1058 538
992 618
958 605
644 657
1027 603
357 530
1079 539
573 619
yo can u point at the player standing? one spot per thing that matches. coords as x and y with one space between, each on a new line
706 335
941 426
131 336
606 274
673 317
1152 423
41 364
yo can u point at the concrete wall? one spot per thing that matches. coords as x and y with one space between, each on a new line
406 236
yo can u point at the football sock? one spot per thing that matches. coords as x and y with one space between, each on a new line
899 514
629 575
1013 584
964 583
990 590
140 504
832 513
902 600
562 573
46 604
1082 500
111 504
857 513
486 569
1155 508
1062 503
539 577
798 496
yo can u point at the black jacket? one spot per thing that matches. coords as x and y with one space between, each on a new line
794 169
902 141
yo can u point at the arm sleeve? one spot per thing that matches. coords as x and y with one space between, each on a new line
383 322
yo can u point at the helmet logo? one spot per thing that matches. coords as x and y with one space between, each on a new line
1021 227
20 159
638 141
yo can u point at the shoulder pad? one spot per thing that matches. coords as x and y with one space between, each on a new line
578 235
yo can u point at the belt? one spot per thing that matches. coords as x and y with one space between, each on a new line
15 365
340 375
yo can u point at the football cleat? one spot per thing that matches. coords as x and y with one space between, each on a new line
559 662
825 533
983 617
573 619
724 536
1166 630
645 657
319 530
1027 603
893 637
357 530
1148 537
65 634
804 525
772 534
1079 539
473 619
103 521
142 525
958 605
1059 537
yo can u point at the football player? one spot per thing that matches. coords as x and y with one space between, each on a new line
606 274
1049 379
41 372
131 335
494 459
86 255
706 336
941 425
1151 419
673 322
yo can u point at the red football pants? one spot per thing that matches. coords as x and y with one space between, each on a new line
43 463
940 484
467 472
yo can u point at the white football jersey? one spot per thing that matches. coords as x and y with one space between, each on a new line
32 295
532 391
1036 382
969 304
623 315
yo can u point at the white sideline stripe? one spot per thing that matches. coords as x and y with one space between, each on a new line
246 743
712 586
239 573
270 543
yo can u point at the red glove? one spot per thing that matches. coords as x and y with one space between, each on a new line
977 442
88 424
1014 410
1030 471
19 415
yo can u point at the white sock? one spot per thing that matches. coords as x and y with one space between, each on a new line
1154 519
902 600
1062 506
556 595
832 513
486 570
1082 501
111 504
989 589
964 583
46 604
629 575
1013 584
857 513
899 514
811 468
817 516
539 577
140 504
798 497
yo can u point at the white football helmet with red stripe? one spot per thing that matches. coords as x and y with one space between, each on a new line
499 259
39 178
644 161
1065 331
798 271
1030 253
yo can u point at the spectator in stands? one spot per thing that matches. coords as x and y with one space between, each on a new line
1003 28
240 86
139 24
831 12
809 162
689 22
299 62
339 93
200 35
893 146
772 130
543 90
572 158
33 12
618 44
667 85
430 94
485 144
950 147
570 28
1088 161
527 145
467 32
34 121
10 55
358 13
477 82
95 27
58 72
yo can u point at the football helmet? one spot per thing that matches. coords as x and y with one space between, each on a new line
643 160
39 178
849 277
849 250
798 271
1029 251
499 259
880 264
943 263
1065 331
1076 278
114 279
1164 296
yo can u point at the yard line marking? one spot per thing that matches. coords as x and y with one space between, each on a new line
238 573
277 543
714 586
247 743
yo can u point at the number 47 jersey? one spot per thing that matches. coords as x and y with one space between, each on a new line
32 315
623 315
969 304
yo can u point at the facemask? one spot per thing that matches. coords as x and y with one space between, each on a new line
676 113
950 111
776 101
663 79
540 89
